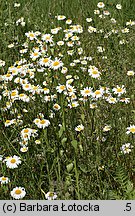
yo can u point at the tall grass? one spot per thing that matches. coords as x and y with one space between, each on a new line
76 165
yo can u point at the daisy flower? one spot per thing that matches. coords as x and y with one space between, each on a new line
37 142
119 90
8 123
47 38
91 29
70 43
131 23
89 20
68 21
18 193
2 63
131 129
79 128
61 17
35 55
93 105
26 86
14 93
98 93
107 128
119 6
74 104
96 12
125 30
100 5
60 88
46 90
8 77
24 97
106 13
55 30
93 72
113 20
60 43
56 106
30 35
41 123
44 123
24 149
50 196
71 90
12 162
125 100
26 133
100 49
4 180
111 100
130 73
56 64
126 148
86 92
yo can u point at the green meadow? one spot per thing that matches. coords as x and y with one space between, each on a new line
67 102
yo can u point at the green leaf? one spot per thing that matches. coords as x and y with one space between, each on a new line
82 117
63 140
74 143
69 167
61 131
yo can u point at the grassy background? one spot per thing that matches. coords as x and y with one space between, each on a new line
84 181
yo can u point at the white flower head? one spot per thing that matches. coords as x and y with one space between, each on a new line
131 129
79 128
12 162
4 180
126 148
100 5
107 128
51 195
18 193
119 6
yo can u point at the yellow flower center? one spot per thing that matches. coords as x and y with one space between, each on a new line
51 194
4 178
87 91
7 121
8 75
62 87
31 35
21 95
47 37
26 86
46 60
18 191
42 121
132 130
95 72
119 90
112 99
56 106
26 131
97 92
56 63
13 94
13 160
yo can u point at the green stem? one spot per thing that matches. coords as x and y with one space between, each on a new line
77 178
